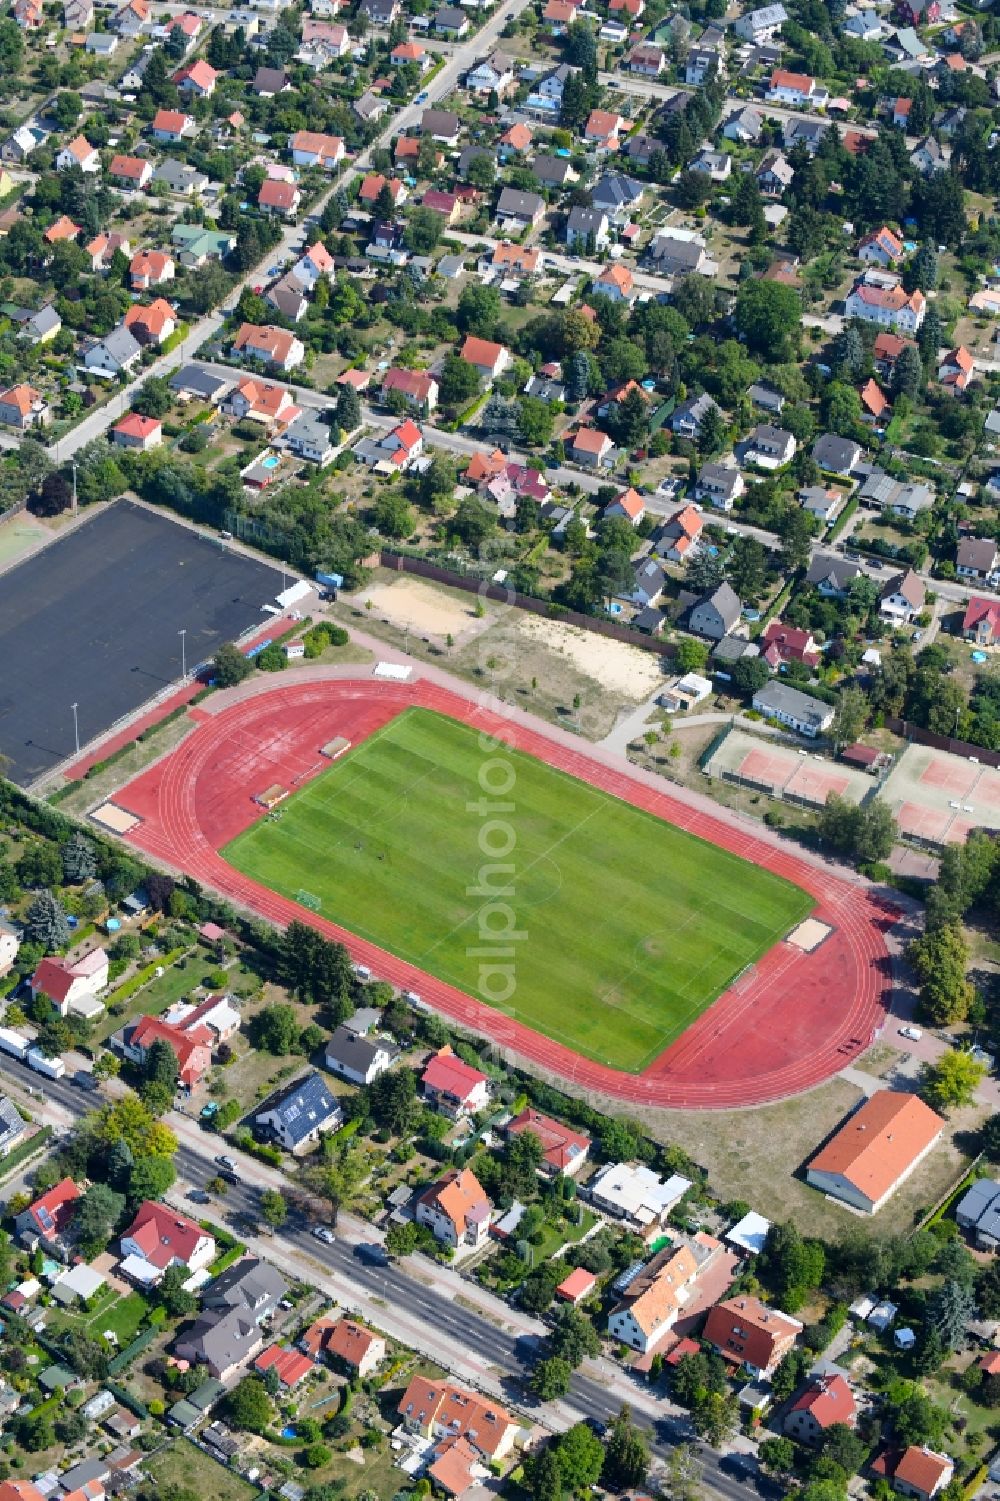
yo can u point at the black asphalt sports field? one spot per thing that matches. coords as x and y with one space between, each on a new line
93 619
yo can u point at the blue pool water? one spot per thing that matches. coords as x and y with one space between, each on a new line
979 656
271 462
287 1431
615 609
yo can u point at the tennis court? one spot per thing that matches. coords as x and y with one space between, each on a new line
939 798
781 771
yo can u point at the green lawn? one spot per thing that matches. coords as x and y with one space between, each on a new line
183 1464
630 927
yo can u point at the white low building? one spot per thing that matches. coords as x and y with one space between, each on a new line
634 1194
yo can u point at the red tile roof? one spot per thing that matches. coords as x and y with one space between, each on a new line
560 1144
829 1399
291 1365
879 1142
53 1210
447 1074
164 1235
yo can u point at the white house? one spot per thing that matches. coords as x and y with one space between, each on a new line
638 1197
78 153
654 1299
114 355
358 1059
799 711
760 26
795 89
9 945
72 986
299 1114
456 1210
889 307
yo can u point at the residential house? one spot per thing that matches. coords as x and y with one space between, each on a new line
277 197
373 184
883 247
831 576
603 128
48 1220
618 197
153 323
160 1237
131 172
311 148
405 53
517 211
192 1048
745 126
288 297
981 622
380 12
10 943
78 153
799 711
916 1471
774 173
138 432
515 141
825 1400
307 437
346 1341
781 644
748 1333
687 418
454 1088
28 14
564 1151
717 614
653 1300
629 505
794 89
451 21
269 82
902 598
441 125
591 448
822 502
876 1150
456 1209
215 1014
298 1115
648 583
554 172
545 98
918 12
835 454
719 485
493 75
197 79
514 262
235 1304
717 165
586 228
358 1059
130 18
761 25
636 1196
12 1125
150 268
978 1213
929 156
874 404
180 178
678 538
290 1366
114 355
63 228
172 125
886 351
23 407
78 15
769 447
903 499
418 388
270 345
559 15
489 359
312 264
976 558
441 1410
956 370
646 60
616 282
702 63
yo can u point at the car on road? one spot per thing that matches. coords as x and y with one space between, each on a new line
198 1196
224 1161
372 1254
421 97
913 1033
84 1080
324 1233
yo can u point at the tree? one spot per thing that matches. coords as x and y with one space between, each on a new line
843 1446
39 866
711 432
796 537
940 957
626 1459
716 1416
573 1336
423 230
276 1030
543 1477
79 859
683 1475
472 523
850 716
551 1379
989 1137
952 1081
460 381
914 1417
230 666
249 1406
949 1309
777 1455
790 1266
581 47
348 408
581 1457
45 922
908 373
161 1065
391 1098
747 567
150 1178
749 675
97 1213
53 495
691 655
273 1207
478 311
173 1295
534 421
767 315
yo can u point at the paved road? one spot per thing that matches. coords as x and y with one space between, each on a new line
431 1309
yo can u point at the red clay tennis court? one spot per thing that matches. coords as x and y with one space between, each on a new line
924 823
766 767
792 1021
950 775
987 789
815 783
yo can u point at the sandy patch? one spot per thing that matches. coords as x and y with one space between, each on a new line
623 669
410 603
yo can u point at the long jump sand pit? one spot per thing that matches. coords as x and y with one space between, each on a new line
411 604
620 668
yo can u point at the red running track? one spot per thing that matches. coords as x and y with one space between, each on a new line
795 1020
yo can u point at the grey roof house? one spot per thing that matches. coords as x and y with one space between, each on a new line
835 454
297 1116
686 419
978 1213
717 614
799 711
831 576
518 208
358 1058
12 1127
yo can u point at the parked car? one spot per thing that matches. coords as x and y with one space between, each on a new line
198 1196
913 1033
372 1254
224 1161
324 1233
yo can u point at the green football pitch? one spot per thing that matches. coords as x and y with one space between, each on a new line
630 926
